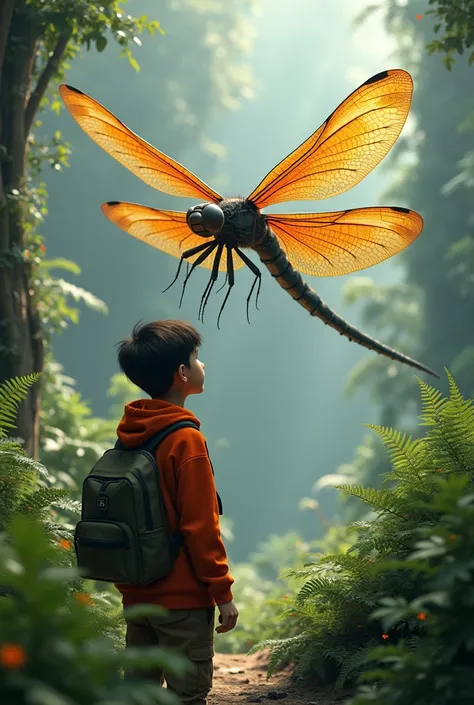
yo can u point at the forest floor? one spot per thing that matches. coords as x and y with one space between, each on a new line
241 679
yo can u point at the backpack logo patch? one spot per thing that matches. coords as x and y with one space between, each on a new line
102 502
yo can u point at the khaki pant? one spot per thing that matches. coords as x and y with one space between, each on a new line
191 632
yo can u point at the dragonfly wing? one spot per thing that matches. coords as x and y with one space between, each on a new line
168 231
130 150
347 146
331 244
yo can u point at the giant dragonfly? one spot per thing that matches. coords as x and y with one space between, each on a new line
214 233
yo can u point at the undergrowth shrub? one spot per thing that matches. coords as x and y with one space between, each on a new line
335 636
440 671
60 642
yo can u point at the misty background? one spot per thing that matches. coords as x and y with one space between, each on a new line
228 95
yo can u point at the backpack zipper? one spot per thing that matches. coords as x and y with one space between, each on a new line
104 542
146 501
145 493
124 541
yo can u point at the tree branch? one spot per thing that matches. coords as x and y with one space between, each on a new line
43 81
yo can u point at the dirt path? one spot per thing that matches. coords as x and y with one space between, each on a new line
239 679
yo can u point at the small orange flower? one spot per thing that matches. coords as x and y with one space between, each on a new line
27 254
439 469
285 597
84 598
418 17
421 616
30 508
42 248
384 636
12 655
65 544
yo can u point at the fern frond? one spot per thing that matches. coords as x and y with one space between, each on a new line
326 565
319 585
451 437
383 501
12 392
11 444
406 454
23 461
58 531
73 506
44 497
432 403
311 662
282 650
351 662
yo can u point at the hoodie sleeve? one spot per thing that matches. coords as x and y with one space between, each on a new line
199 525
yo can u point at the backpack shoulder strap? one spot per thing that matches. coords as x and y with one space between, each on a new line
152 443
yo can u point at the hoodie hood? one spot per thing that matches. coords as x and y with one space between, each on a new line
145 417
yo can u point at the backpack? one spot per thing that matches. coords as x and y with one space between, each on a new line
123 535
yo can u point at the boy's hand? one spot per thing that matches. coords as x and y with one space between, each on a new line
228 617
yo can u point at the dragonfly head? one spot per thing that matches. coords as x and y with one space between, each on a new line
205 219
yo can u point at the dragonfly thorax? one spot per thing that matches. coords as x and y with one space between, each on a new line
234 221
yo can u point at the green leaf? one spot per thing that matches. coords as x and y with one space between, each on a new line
133 62
60 263
101 43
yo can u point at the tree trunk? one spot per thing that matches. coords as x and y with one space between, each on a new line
21 344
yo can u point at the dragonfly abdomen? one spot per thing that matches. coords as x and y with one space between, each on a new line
274 258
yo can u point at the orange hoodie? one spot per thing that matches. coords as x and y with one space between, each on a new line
200 575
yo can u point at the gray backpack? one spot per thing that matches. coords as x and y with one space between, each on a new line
123 535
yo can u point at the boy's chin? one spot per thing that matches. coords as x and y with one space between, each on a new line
197 390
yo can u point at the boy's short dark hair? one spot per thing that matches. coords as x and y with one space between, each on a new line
154 351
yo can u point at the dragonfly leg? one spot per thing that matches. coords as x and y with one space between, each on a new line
225 282
211 282
204 255
258 278
188 253
230 276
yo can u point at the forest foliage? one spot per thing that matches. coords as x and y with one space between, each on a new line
388 598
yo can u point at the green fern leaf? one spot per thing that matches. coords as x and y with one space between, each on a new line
12 392
432 402
22 461
44 497
317 586
73 506
383 501
406 454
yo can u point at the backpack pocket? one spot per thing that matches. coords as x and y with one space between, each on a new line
156 555
107 550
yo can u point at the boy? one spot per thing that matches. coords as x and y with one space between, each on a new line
162 359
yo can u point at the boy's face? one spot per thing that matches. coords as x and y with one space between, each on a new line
194 374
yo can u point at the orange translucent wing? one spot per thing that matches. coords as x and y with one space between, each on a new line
330 244
143 160
347 146
168 231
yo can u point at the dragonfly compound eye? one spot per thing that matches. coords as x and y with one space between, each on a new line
213 218
208 218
